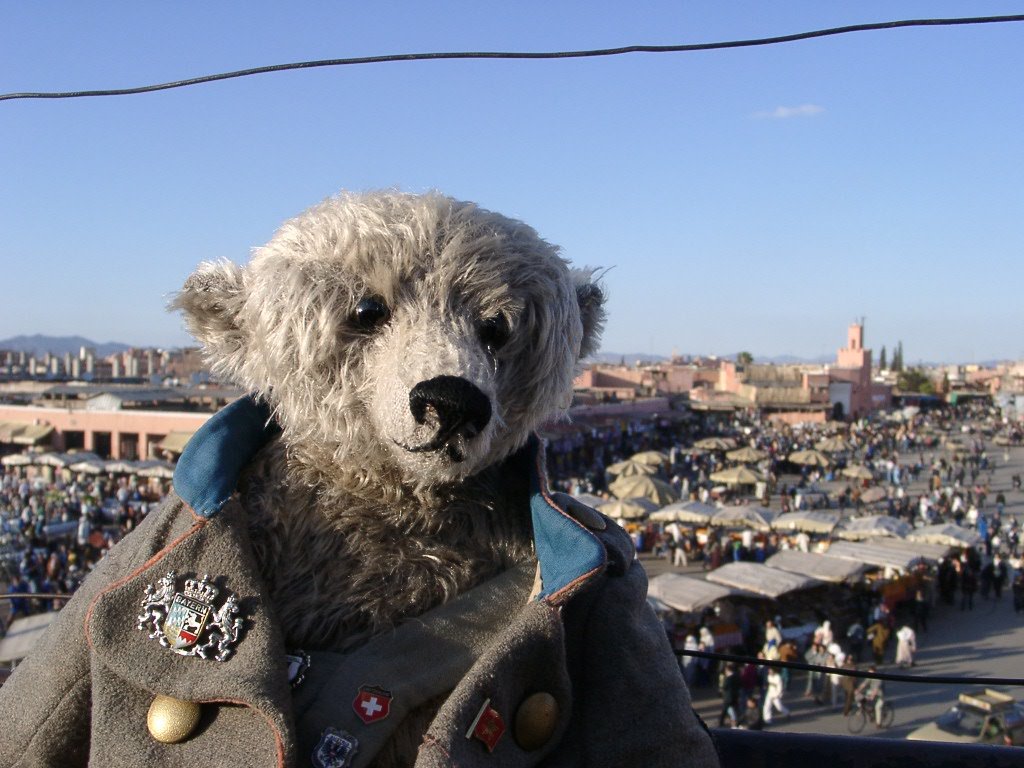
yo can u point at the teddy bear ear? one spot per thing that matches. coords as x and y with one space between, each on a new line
591 299
211 300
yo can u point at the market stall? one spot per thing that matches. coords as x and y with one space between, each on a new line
946 533
752 516
817 521
760 579
822 567
870 553
872 526
687 594
929 552
689 512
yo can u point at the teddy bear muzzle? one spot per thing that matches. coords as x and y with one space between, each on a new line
455 408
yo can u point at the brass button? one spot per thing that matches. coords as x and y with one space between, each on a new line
536 719
172 720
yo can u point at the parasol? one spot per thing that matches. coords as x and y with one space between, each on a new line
658 491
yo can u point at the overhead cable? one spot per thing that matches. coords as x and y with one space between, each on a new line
448 55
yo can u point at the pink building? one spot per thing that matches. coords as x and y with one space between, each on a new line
116 434
853 366
790 393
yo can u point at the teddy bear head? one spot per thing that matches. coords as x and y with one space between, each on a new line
401 339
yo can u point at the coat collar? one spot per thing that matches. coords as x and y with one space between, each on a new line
207 473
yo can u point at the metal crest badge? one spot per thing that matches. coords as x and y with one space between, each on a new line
187 621
336 749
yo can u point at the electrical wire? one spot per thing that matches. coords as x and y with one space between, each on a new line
889 676
437 56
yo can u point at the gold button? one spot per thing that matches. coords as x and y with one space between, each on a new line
536 719
172 720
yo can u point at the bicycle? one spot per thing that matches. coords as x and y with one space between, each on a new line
864 712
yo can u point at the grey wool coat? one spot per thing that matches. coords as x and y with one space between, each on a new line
584 642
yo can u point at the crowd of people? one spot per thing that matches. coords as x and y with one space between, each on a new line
54 530
752 695
956 467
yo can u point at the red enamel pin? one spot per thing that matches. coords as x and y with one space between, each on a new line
487 726
372 703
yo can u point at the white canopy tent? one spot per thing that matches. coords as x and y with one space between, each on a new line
869 552
817 566
872 526
929 552
746 516
693 512
17 460
628 509
65 460
946 533
685 593
153 468
94 467
760 579
811 522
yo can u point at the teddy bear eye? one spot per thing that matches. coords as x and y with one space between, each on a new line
370 313
494 333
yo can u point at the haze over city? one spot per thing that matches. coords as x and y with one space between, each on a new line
756 199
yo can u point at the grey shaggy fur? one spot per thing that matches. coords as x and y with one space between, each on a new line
354 529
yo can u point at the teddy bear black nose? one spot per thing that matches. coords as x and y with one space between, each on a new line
460 409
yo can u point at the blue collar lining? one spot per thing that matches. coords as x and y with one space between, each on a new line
208 469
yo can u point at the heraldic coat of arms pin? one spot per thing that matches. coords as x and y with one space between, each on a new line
187 621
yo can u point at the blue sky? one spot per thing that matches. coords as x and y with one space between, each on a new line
757 199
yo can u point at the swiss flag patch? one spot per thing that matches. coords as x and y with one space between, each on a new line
372 703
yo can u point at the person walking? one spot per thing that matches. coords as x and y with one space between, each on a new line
906 646
921 608
773 696
772 640
849 685
999 576
837 657
855 637
878 634
818 656
729 688
1018 591
968 586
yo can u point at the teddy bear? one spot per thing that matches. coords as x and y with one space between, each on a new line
361 562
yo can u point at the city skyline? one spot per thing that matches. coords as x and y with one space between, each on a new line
58 346
746 200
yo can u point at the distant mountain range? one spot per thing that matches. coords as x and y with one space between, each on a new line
57 345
